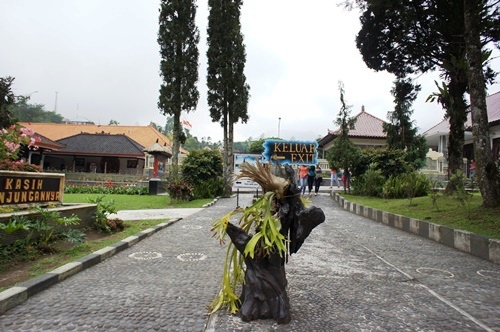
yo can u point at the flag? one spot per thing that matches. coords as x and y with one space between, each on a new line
186 123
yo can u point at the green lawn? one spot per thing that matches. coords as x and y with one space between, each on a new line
137 202
447 211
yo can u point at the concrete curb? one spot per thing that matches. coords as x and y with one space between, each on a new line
481 246
21 292
211 203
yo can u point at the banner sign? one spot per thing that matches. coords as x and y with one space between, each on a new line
291 152
29 188
239 160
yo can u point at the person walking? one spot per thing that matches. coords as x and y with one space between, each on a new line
310 178
472 171
303 175
334 177
318 180
346 180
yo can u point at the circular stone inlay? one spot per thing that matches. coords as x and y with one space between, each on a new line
191 257
145 255
489 274
435 272
191 227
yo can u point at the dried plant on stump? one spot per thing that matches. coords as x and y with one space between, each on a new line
280 222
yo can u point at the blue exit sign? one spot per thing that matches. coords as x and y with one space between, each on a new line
291 152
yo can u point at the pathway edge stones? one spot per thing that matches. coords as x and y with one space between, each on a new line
477 245
15 295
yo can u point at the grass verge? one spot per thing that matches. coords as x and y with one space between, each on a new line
137 202
447 211
31 263
38 265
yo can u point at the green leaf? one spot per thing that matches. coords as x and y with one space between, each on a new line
250 247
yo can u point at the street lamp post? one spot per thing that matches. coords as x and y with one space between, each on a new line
279 123
55 103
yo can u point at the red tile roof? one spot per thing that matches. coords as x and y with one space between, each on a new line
366 126
144 135
47 143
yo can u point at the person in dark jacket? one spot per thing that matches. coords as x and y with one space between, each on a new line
318 180
310 178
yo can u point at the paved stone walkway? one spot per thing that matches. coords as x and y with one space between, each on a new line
351 274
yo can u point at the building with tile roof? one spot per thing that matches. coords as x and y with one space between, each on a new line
368 132
37 155
143 136
98 153
437 136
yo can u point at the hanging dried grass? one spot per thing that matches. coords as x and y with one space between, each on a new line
262 174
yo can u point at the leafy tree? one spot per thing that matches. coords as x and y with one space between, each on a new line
401 133
257 146
192 143
7 99
23 111
242 146
157 127
166 130
169 125
178 38
476 12
343 151
228 91
388 161
113 122
406 37
202 165
203 170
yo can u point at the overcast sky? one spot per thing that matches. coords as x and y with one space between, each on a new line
99 60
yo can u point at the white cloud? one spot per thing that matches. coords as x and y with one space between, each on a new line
101 57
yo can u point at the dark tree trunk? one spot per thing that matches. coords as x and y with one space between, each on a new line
176 142
226 169
485 167
230 155
457 114
264 293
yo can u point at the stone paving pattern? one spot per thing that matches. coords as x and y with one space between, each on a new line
351 274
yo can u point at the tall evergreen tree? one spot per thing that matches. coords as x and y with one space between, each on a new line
228 91
178 38
343 151
400 130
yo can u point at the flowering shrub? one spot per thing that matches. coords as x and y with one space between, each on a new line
106 188
18 166
11 140
180 190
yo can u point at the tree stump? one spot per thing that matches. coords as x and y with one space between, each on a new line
264 293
